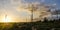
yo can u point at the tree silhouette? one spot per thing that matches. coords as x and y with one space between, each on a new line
45 19
31 8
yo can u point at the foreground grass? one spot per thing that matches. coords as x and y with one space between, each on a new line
45 25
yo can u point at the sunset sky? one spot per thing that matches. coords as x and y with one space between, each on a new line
11 8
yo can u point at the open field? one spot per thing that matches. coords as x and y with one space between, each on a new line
45 25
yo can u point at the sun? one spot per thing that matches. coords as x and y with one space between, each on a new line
6 19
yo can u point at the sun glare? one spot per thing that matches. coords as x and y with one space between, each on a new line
6 19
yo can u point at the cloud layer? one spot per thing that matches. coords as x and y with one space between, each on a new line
17 8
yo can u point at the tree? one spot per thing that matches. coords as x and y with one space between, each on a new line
31 8
45 19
